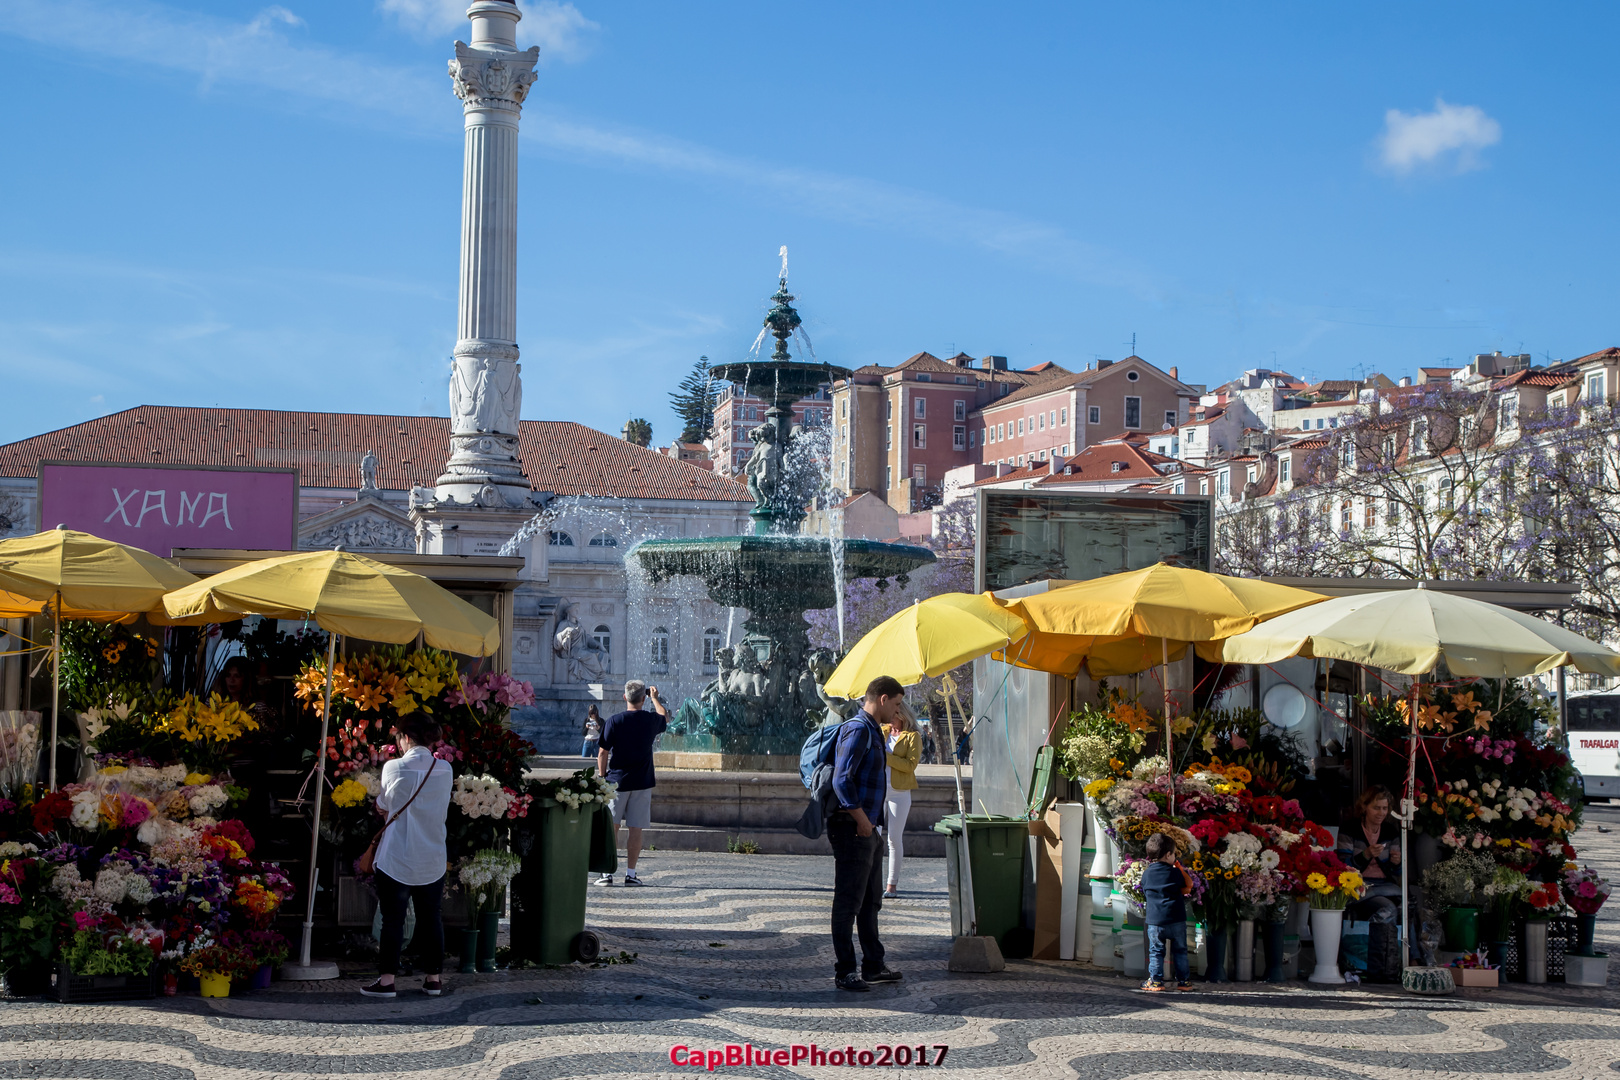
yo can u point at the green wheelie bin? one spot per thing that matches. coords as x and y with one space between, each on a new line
548 893
997 848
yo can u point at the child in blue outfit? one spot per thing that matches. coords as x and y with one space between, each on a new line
1165 885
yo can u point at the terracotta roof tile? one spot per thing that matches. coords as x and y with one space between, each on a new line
558 455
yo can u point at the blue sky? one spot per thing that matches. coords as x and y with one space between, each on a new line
231 203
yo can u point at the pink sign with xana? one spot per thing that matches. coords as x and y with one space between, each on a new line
160 508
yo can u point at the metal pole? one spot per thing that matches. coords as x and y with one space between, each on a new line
1169 750
56 684
1407 806
305 969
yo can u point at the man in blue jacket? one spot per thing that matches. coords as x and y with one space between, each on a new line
859 786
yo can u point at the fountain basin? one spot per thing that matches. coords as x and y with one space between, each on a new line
775 573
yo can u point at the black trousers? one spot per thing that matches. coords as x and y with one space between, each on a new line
429 936
857 895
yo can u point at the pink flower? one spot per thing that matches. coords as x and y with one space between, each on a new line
83 920
136 811
8 895
1239 742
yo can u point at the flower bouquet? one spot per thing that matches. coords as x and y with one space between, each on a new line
485 876
1584 890
1475 969
583 789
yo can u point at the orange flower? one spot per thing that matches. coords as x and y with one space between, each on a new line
1482 720
1428 716
1464 701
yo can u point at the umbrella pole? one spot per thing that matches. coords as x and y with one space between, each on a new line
1407 807
56 684
305 968
1169 751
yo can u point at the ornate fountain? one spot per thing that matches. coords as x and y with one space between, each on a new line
768 692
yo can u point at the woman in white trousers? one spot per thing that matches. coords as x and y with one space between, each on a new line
905 750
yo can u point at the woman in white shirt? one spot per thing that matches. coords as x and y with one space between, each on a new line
411 859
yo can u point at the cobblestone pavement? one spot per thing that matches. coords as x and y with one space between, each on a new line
734 949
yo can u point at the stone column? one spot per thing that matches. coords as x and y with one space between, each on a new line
491 77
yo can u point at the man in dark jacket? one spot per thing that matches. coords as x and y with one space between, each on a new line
859 788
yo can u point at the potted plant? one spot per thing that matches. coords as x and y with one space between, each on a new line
215 966
106 957
1332 885
1475 969
1541 902
1502 895
1585 892
1453 887
484 879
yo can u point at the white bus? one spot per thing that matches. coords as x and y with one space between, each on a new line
1594 740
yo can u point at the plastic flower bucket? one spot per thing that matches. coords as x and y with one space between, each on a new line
214 984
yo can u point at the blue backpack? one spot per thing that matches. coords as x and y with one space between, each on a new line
818 750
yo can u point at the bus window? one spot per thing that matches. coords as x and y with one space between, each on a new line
1599 712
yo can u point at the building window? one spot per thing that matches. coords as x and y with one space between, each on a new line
843 433
959 437
1020 425
958 410
919 408
1251 474
1345 520
1039 421
1370 516
1203 487
888 436
1094 414
843 409
888 408
1133 412
1020 461
1225 479
1001 432
972 439
923 376
1051 418
1063 416
658 652
1318 423
1448 495
1283 467
888 477
561 539
919 436
919 474
1509 413
1065 449
1347 455
604 540
602 638
1594 388
1169 418
964 380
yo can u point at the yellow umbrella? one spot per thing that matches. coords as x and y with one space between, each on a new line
930 637
1409 630
344 594
1125 623
74 575
1133 621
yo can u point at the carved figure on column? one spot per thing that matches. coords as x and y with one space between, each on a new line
764 468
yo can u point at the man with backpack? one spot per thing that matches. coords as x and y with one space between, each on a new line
858 790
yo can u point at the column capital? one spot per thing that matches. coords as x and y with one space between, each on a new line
492 77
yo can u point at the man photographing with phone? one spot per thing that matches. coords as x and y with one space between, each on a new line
625 758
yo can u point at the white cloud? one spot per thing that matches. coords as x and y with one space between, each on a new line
1451 135
558 28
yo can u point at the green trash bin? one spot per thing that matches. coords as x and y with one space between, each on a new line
997 847
548 893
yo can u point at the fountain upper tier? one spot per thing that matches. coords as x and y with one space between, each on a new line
775 574
780 381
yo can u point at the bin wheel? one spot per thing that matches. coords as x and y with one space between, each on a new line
586 947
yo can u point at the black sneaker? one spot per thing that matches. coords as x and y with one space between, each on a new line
884 976
853 982
378 990
631 879
605 879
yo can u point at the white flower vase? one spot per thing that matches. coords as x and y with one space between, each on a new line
1535 951
1114 861
1245 950
1327 926
1100 866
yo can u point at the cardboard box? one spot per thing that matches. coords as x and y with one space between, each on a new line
1479 977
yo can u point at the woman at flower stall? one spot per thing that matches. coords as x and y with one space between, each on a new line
411 857
1371 842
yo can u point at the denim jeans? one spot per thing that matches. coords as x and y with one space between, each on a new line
1176 935
589 748
857 895
392 898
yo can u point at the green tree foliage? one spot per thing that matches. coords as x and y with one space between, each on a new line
638 431
694 401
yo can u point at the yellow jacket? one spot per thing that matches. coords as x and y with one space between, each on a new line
903 759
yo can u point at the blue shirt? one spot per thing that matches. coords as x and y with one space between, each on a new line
1161 887
859 760
628 739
